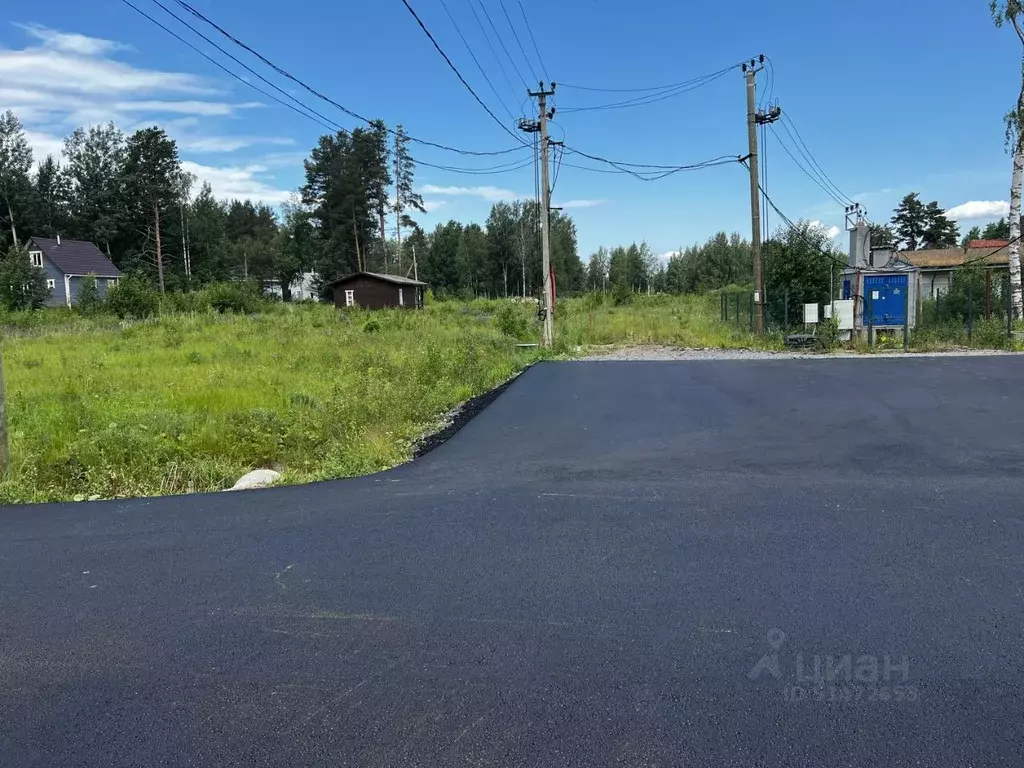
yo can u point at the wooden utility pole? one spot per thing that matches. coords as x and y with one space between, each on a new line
545 211
750 71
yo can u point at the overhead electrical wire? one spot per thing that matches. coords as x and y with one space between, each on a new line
458 74
652 98
477 61
491 171
519 42
313 115
787 123
809 174
501 42
529 29
284 73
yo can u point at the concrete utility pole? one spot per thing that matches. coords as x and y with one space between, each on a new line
545 207
750 71
5 445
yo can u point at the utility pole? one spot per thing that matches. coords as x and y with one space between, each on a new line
750 71
415 266
545 205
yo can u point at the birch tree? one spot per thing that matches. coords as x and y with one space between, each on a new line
1009 12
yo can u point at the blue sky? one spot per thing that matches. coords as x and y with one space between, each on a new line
888 99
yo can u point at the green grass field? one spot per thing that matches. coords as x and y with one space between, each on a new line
190 402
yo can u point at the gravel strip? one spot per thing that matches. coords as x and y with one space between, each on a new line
686 353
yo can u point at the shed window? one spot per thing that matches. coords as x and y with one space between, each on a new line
401 297
37 258
111 282
51 284
350 298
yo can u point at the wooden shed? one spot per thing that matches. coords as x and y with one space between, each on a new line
370 290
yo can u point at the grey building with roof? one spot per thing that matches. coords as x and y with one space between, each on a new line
66 263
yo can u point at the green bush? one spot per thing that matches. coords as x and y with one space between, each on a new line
22 286
513 319
133 297
89 301
622 295
243 298
828 333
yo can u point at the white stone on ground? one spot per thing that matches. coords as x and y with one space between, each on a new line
258 478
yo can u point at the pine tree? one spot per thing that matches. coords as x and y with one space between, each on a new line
939 232
910 222
406 198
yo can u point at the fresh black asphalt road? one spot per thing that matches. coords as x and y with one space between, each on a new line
781 563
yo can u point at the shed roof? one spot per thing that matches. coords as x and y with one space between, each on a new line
396 279
76 257
947 258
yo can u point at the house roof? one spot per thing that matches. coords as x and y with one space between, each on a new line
76 257
396 279
988 243
947 258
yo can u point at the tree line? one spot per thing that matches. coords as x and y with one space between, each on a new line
132 197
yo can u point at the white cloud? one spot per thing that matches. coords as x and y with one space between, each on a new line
44 144
62 80
206 144
581 203
664 257
434 205
979 209
493 194
72 43
830 231
238 182
202 108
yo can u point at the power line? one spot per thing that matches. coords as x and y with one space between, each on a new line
501 42
519 42
491 171
652 172
312 114
320 95
533 39
477 62
652 98
807 153
459 74
838 200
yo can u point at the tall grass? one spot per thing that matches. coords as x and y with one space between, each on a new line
685 321
191 401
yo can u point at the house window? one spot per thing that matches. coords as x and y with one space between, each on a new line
401 297
111 282
51 284
350 298
37 258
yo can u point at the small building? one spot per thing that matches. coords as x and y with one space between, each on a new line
67 263
937 265
370 290
882 284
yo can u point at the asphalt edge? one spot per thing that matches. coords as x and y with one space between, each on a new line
461 415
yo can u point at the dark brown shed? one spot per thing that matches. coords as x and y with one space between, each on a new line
370 290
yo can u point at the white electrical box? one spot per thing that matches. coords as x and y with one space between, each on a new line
828 311
811 313
844 314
